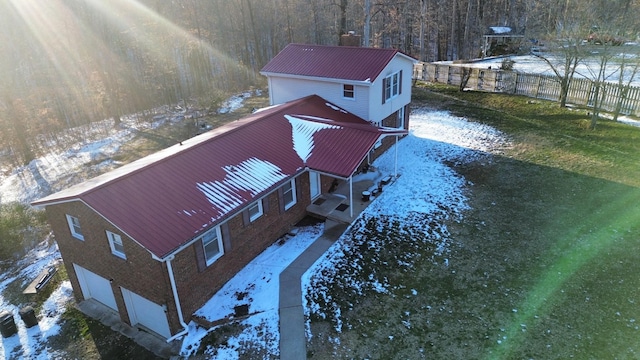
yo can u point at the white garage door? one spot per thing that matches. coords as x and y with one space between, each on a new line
95 287
146 313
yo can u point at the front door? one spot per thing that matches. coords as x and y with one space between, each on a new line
314 184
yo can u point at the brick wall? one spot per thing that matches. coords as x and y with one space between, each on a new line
148 277
138 272
390 121
247 242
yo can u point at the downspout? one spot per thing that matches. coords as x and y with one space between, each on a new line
172 280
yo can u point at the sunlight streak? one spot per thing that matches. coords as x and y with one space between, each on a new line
95 52
47 21
580 246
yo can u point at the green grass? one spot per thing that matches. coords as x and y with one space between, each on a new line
544 264
546 134
149 142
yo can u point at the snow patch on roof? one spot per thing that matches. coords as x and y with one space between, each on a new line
252 175
335 108
303 131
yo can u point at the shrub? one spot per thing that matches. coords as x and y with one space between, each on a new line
507 64
21 227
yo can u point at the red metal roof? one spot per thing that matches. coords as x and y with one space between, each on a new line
336 62
164 200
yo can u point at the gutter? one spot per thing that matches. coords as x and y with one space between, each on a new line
172 280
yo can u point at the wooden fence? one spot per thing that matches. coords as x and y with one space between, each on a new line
581 91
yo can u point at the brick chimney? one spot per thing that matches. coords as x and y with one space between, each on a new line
350 39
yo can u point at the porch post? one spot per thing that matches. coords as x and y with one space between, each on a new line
396 164
351 195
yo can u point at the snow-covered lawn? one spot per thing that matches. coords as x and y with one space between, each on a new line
30 343
425 185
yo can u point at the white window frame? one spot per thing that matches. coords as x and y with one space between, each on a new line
391 86
292 189
205 242
257 214
401 118
345 92
114 241
74 227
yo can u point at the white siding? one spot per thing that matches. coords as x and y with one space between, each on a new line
378 110
285 89
368 98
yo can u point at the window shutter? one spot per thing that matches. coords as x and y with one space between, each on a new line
200 259
265 205
245 218
384 86
400 83
226 236
280 200
298 191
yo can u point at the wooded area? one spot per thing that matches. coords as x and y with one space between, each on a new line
70 62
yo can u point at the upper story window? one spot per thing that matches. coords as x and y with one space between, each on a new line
348 91
255 210
391 86
74 226
289 194
212 244
115 242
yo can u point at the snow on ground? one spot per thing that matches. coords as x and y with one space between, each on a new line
530 64
30 343
235 102
436 137
257 285
91 155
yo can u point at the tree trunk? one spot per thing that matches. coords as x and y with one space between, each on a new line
596 106
367 22
343 19
423 25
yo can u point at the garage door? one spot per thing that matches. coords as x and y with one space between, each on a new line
96 287
146 313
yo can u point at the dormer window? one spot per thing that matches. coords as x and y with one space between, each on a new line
348 91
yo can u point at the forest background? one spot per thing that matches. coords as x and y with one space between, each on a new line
67 63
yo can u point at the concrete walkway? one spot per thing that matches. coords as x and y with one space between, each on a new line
293 343
154 343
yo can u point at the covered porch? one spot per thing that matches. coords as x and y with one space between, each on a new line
338 205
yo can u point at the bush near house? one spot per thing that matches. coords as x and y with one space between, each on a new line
21 226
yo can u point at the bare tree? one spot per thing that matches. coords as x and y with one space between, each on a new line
629 67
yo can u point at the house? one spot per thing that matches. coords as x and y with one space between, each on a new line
372 83
154 239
